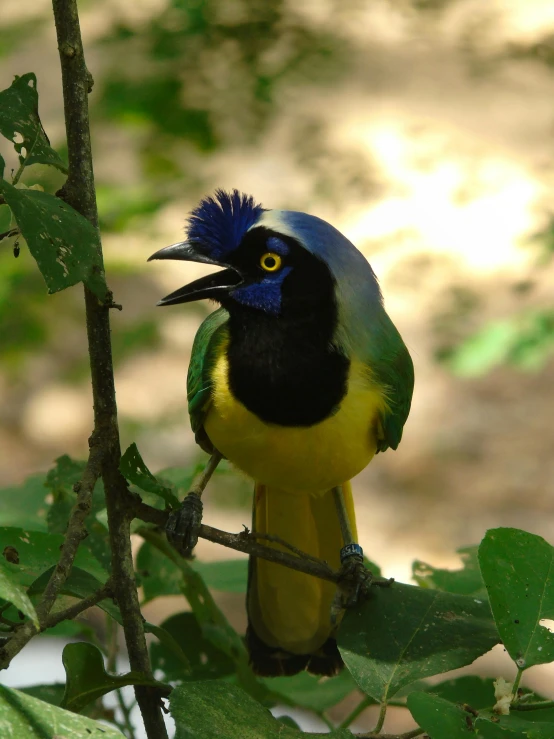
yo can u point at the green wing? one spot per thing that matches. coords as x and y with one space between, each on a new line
393 369
205 352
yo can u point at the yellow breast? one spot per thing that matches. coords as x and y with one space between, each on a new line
298 459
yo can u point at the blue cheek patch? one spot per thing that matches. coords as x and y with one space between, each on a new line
278 246
264 295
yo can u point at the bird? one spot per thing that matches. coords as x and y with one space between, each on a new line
298 378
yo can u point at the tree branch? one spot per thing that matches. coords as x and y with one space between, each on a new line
79 192
245 542
106 591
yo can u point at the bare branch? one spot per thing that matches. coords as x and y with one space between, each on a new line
246 542
73 611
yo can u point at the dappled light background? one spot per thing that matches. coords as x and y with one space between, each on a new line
423 129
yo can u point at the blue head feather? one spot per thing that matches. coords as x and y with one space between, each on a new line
222 221
265 294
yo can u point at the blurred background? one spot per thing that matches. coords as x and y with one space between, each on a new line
423 129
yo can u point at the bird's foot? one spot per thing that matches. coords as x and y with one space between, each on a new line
355 579
183 525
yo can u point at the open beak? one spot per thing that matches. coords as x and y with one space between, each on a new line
212 286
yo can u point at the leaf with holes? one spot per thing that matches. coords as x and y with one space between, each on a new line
208 708
518 569
467 581
405 633
439 718
134 470
517 725
11 591
88 680
30 553
26 717
19 119
65 245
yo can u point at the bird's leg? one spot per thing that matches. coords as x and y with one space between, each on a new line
355 577
183 525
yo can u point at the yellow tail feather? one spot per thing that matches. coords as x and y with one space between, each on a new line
290 610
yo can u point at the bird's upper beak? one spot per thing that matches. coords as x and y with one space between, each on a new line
212 286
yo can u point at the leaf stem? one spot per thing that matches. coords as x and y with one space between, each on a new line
360 708
381 718
517 681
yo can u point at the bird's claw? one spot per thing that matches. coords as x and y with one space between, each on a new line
353 585
183 525
355 581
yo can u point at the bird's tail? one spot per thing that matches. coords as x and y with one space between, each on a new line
289 624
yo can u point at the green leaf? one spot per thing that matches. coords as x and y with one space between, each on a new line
87 679
201 709
64 244
518 571
19 115
24 505
439 718
467 581
227 575
49 693
37 551
11 591
404 633
477 692
160 576
202 660
518 725
484 350
309 691
134 470
288 721
25 717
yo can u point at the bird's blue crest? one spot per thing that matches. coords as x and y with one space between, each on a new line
222 221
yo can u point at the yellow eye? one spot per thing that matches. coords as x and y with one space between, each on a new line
270 261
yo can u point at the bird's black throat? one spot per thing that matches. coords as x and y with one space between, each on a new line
284 368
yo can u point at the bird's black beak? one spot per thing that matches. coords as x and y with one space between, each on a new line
212 286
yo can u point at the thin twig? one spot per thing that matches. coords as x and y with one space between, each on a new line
407 735
278 540
80 193
73 611
243 543
10 233
75 530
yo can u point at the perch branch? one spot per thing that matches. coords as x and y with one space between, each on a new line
80 193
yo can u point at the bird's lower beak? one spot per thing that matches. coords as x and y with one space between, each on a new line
212 286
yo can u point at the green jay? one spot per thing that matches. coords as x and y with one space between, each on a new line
299 378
